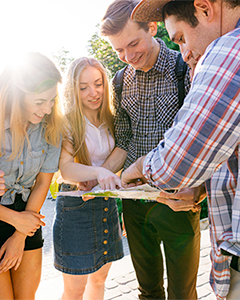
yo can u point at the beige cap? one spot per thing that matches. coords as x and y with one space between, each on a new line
149 11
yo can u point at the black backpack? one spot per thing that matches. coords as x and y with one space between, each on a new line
180 71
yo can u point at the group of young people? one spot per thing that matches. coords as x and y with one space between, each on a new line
90 133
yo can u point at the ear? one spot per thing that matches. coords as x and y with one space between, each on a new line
152 28
204 9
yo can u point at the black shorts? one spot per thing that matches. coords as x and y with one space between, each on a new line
7 230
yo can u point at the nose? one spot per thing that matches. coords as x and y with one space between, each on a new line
129 55
93 91
186 54
47 108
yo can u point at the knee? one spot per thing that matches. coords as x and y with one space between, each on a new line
75 293
98 280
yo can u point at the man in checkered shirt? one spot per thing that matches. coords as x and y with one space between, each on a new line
148 106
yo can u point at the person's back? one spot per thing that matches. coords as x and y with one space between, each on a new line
147 108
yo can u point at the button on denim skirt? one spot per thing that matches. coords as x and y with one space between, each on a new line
86 234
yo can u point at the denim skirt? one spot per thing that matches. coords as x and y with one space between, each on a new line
86 234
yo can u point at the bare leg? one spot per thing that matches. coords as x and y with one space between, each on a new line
74 286
96 284
27 277
6 286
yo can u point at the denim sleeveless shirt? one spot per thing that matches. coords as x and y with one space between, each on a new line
37 156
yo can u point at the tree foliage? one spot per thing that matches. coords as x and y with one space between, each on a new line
101 49
63 59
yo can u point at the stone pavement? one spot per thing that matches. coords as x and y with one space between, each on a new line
121 283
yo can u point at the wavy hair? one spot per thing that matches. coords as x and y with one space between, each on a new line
74 108
35 73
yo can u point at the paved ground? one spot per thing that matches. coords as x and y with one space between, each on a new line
121 283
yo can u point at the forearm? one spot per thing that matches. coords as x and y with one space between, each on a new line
116 160
76 172
7 215
39 192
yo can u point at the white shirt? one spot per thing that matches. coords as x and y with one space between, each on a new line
99 142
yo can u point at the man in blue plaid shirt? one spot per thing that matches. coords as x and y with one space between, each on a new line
203 143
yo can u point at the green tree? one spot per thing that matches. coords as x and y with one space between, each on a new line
100 49
63 59
163 34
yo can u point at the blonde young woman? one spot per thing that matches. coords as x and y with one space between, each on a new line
87 235
30 137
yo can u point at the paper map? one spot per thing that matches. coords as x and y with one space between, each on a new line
144 191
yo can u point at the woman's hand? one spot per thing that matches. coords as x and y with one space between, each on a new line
107 179
28 222
11 252
2 181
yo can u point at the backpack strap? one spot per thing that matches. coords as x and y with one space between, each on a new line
180 71
118 82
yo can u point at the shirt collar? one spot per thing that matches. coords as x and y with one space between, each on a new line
159 66
89 123
31 127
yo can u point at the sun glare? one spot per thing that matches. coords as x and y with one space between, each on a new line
46 26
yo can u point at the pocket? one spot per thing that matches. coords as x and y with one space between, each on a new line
78 227
36 159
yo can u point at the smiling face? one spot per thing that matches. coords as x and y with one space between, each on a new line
91 89
36 106
135 46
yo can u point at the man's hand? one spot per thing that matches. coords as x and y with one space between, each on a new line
11 252
2 181
184 200
133 174
87 185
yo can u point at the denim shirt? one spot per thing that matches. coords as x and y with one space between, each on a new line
37 156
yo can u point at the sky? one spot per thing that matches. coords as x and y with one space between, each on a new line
47 26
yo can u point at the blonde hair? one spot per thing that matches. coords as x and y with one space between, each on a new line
74 108
35 73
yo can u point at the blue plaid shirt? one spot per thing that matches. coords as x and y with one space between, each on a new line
203 145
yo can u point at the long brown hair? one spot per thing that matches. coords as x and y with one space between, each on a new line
74 109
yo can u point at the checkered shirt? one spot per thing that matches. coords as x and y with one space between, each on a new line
203 145
148 106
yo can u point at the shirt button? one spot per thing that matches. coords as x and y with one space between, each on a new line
105 220
105 231
106 198
105 252
105 209
105 242
12 192
21 162
43 150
